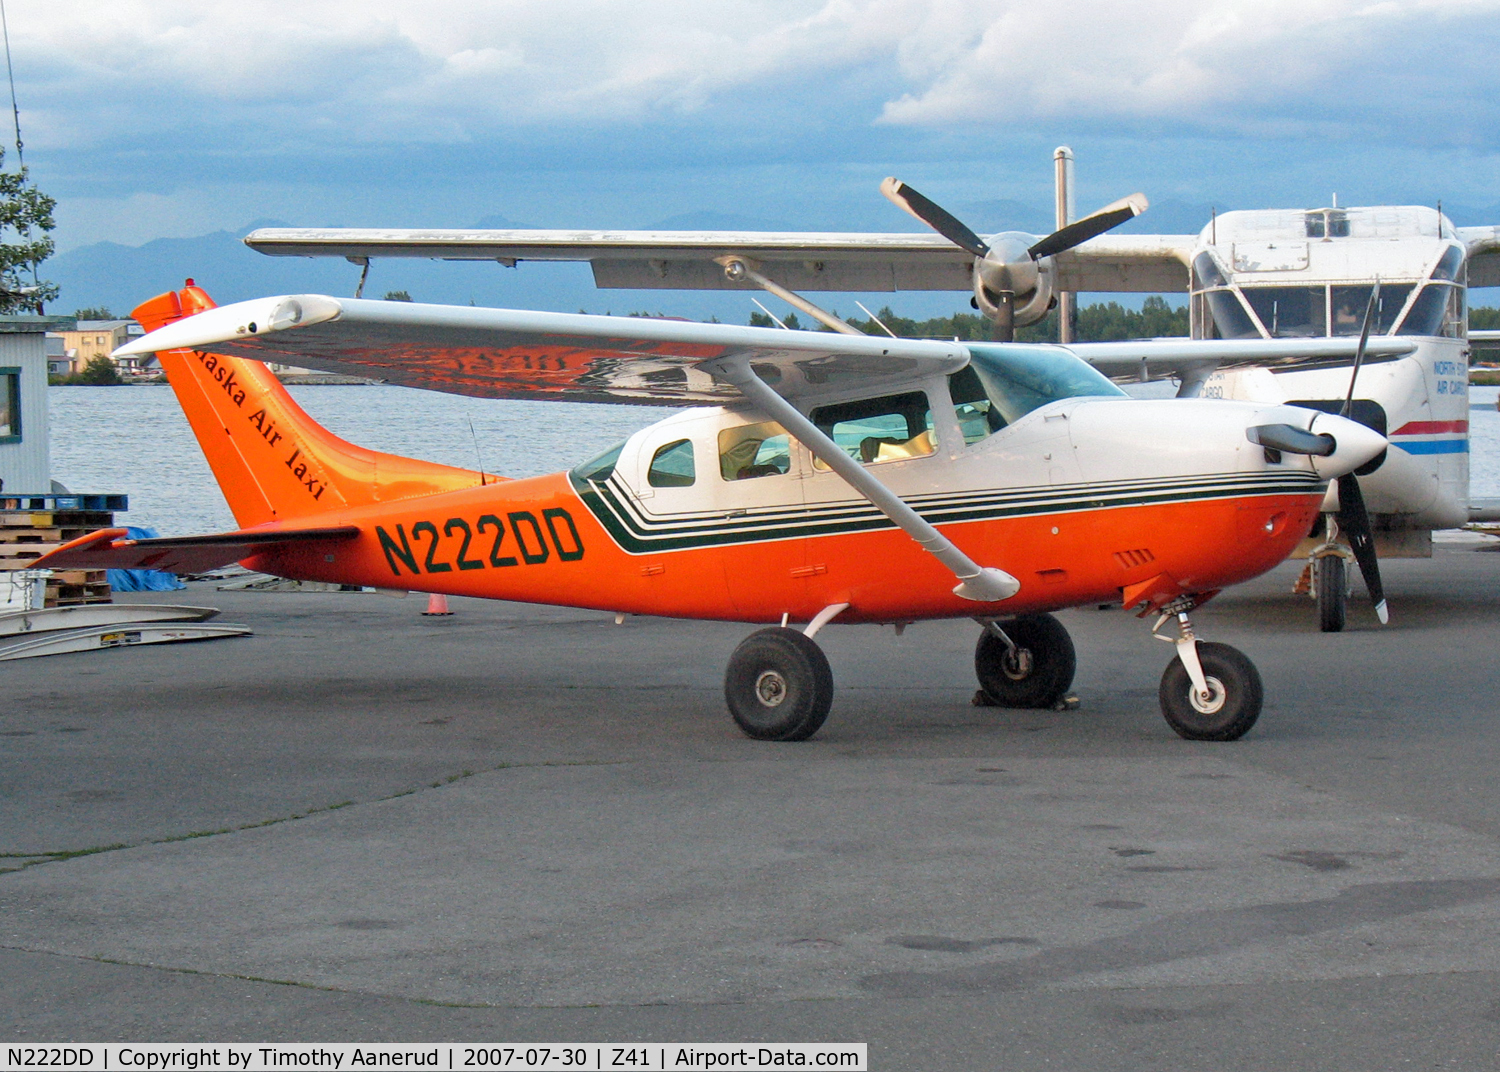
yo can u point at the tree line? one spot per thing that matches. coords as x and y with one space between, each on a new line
1100 322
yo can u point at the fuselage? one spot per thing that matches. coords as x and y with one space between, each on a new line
715 513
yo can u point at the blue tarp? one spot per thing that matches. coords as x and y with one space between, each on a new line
142 580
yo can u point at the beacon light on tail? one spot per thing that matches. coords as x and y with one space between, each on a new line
810 478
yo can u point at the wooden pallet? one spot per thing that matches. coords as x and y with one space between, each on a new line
25 536
89 520
73 595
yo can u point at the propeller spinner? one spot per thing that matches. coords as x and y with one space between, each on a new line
1013 273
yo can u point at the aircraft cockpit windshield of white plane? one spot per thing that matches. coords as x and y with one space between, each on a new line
1225 307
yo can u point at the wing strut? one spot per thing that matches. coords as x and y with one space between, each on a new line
737 270
983 584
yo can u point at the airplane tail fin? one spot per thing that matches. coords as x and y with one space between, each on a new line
272 461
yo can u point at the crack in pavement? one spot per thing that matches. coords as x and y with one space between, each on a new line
24 860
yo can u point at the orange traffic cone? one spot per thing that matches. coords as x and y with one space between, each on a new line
437 606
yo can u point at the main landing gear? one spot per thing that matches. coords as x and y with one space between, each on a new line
1027 662
779 686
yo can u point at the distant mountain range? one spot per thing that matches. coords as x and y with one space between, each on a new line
119 277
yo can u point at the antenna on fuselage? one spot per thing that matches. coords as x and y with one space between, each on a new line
477 456
772 315
877 320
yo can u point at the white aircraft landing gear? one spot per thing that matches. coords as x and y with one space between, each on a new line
1210 692
1024 662
778 686
1327 578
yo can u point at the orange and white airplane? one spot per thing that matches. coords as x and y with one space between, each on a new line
814 477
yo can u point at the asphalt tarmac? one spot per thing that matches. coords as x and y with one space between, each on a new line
529 824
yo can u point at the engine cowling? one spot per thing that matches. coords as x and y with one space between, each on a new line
1008 266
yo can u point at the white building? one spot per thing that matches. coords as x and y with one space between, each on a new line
25 464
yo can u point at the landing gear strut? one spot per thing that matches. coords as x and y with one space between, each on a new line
1025 662
1210 692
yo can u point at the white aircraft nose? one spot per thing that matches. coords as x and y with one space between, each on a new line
1354 445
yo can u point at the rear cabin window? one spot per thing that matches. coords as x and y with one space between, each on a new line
889 429
754 450
672 466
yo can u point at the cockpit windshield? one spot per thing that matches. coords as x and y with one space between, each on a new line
1001 384
600 467
1289 312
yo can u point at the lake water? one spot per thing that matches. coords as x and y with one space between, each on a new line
136 440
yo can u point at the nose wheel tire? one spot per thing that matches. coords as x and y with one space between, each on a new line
778 686
1332 583
1233 701
1037 673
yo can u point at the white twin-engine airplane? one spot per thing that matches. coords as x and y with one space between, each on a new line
1279 299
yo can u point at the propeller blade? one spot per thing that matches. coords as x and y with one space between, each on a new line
1079 232
1355 521
935 216
1359 351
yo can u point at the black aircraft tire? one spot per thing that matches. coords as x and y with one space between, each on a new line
778 686
1237 695
1333 593
1041 674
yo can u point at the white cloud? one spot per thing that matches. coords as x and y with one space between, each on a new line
285 71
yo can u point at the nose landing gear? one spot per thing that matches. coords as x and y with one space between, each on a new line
1210 692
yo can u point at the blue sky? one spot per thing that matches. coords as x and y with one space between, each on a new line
167 118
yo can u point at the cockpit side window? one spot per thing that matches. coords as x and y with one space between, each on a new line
1438 310
754 450
888 429
978 416
672 466
1449 263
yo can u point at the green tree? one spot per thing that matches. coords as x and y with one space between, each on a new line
99 372
94 312
25 242
397 295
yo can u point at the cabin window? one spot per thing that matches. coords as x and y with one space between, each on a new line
1347 306
1290 312
600 467
672 466
978 416
10 405
889 429
753 450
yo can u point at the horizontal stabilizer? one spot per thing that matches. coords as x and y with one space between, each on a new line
111 549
